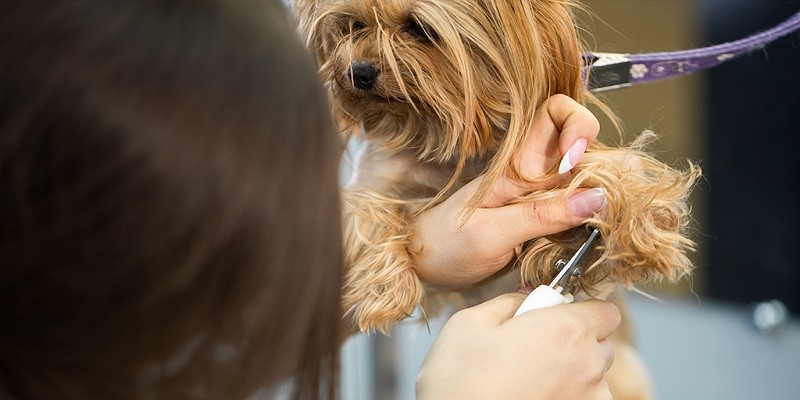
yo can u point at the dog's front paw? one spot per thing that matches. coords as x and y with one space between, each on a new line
381 287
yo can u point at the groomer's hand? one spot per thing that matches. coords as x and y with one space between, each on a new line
454 254
557 352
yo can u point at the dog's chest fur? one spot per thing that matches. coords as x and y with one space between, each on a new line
404 175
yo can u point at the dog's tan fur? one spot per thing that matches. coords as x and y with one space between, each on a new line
460 83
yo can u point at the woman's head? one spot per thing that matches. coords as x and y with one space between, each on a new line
169 217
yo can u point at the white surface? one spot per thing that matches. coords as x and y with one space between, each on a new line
701 349
357 376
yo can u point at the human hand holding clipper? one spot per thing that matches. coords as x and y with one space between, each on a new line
560 290
558 352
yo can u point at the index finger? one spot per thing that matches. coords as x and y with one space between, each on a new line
499 309
562 122
602 316
573 120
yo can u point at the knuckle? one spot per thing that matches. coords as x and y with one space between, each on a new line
578 330
560 99
586 119
573 325
612 313
538 214
474 234
465 317
511 300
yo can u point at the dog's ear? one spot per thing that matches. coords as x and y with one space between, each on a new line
558 38
541 41
539 55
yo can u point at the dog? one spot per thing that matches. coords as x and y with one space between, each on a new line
442 91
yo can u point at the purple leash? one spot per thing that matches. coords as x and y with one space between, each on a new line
608 71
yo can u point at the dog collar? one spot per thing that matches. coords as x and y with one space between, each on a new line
609 71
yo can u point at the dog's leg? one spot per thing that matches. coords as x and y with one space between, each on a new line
380 286
628 378
379 204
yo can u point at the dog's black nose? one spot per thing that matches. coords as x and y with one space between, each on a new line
363 75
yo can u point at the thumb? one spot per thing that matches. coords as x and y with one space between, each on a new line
499 309
523 221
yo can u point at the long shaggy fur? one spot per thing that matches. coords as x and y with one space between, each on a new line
460 83
644 227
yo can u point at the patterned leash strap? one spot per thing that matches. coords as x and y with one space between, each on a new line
609 71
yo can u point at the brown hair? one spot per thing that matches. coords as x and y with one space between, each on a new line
169 211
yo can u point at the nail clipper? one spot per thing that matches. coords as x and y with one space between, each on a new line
561 290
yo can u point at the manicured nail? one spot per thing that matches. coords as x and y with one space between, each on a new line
587 202
573 156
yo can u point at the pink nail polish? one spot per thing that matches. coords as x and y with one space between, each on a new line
573 156
586 203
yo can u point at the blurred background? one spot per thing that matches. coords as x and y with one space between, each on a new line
733 330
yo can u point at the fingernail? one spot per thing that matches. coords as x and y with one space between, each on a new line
573 156
587 202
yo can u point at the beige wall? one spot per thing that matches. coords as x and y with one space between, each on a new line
672 108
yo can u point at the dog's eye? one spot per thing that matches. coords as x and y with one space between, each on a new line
348 26
357 25
421 31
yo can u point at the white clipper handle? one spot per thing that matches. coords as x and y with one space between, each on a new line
543 296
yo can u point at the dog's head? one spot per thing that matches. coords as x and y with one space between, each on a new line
451 79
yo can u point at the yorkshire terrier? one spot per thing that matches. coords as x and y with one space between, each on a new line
444 90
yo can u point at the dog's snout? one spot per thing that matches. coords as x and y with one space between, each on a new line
364 75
